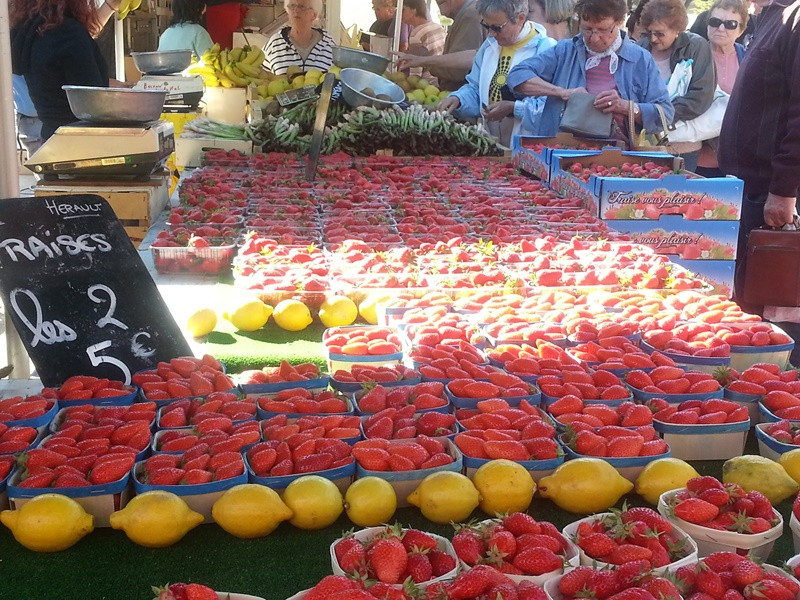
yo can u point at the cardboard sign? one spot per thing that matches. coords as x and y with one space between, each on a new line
78 293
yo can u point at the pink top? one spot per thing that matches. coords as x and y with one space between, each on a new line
599 79
727 68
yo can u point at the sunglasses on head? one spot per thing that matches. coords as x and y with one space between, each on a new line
730 24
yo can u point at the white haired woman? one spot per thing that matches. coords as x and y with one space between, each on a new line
300 44
511 38
558 17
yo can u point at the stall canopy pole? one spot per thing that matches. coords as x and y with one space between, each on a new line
9 178
398 23
119 48
333 18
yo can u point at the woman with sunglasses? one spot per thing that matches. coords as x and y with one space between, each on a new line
726 22
511 38
666 39
601 60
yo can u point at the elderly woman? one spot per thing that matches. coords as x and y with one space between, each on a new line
600 60
512 38
52 45
726 22
557 16
665 37
426 38
299 44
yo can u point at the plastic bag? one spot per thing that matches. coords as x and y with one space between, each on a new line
678 83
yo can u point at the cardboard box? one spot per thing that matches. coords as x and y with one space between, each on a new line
189 149
565 184
674 235
225 104
137 205
717 273
533 153
97 500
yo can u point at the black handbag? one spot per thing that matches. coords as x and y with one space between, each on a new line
581 118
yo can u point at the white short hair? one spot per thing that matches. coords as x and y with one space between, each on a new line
316 5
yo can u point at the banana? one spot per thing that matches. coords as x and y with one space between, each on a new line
200 69
123 9
210 81
236 79
249 69
135 4
225 81
234 54
223 60
254 57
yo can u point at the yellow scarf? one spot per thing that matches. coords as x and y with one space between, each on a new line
504 65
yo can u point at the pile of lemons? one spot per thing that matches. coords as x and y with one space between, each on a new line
251 314
417 89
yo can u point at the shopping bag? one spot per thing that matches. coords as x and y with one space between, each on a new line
678 83
772 271
581 118
704 127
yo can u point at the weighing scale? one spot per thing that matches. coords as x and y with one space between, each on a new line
183 93
94 151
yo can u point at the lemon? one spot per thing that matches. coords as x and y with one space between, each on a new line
584 485
48 523
201 322
250 510
156 519
431 90
251 315
275 87
505 486
791 462
445 496
661 476
315 501
370 501
759 473
337 311
298 82
292 315
368 309
314 73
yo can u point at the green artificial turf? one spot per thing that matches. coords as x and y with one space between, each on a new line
105 565
268 346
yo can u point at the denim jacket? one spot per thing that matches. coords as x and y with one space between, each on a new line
637 79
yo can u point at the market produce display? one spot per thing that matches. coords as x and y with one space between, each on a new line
497 358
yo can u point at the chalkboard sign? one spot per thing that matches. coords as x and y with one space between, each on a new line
75 288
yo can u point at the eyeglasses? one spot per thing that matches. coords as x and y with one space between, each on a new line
297 7
730 24
495 28
587 32
659 35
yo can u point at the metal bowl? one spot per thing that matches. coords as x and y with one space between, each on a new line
346 58
162 63
355 80
115 105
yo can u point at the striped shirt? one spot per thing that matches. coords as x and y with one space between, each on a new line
280 53
431 37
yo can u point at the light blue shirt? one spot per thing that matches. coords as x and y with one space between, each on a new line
637 79
472 94
185 36
22 98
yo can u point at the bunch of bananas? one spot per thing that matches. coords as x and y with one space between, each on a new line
127 6
234 67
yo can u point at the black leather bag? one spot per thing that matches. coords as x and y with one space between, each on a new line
581 118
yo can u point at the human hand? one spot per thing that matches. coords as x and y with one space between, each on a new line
779 210
448 104
499 110
569 91
405 61
609 101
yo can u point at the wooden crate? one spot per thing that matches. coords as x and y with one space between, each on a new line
136 204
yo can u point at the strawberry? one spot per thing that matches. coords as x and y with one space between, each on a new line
111 467
414 538
767 590
575 581
468 545
537 561
597 545
388 559
520 523
441 562
695 510
625 553
418 566
472 583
